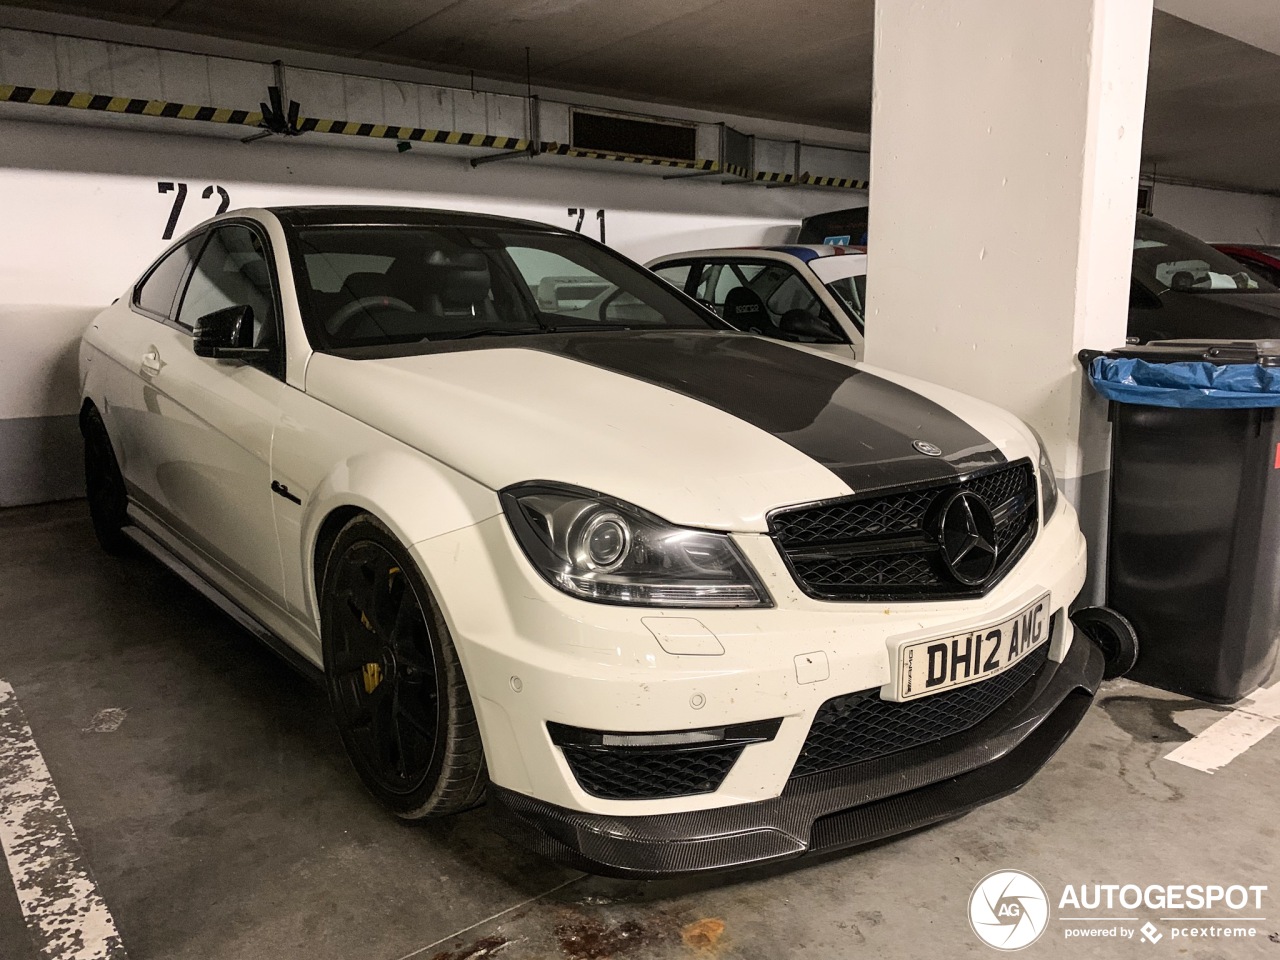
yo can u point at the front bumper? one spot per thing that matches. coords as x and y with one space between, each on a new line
836 809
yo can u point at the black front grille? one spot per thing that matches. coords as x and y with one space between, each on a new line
650 774
884 546
860 726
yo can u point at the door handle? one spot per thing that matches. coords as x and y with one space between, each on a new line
151 362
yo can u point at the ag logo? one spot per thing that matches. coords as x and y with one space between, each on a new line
1008 910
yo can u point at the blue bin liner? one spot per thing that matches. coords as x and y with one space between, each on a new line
1186 384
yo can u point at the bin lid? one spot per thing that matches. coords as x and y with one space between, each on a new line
1264 353
1189 374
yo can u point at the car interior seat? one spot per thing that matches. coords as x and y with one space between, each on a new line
458 287
744 310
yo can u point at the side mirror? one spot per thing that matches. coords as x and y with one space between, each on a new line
227 334
798 323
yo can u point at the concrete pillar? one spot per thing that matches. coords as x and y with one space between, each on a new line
1005 143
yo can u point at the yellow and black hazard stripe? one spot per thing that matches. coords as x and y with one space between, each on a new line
844 183
382 131
135 106
138 106
564 150
769 176
807 180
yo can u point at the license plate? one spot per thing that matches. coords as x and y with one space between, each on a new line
926 667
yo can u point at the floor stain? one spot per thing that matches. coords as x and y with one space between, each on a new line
702 935
484 947
107 721
1152 720
586 938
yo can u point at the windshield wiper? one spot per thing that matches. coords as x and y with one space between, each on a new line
494 332
577 327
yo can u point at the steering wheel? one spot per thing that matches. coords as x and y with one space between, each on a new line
345 314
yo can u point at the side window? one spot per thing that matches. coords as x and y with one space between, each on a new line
233 271
720 279
677 274
768 298
156 291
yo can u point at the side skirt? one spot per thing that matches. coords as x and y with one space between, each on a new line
224 603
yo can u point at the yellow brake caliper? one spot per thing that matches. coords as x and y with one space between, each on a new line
372 672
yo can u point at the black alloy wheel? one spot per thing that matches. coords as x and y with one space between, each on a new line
104 484
394 680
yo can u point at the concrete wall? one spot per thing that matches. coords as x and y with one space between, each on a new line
84 216
1219 216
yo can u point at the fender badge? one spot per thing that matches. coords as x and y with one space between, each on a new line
927 448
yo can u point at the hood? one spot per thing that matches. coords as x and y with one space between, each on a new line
706 429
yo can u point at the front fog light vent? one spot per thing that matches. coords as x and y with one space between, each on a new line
659 765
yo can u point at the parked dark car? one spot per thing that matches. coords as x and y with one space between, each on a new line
1182 287
1261 259
839 227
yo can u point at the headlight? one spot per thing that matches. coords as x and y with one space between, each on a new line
598 548
1048 481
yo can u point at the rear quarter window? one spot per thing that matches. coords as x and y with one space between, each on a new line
156 291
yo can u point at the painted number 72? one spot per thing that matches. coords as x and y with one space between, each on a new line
179 191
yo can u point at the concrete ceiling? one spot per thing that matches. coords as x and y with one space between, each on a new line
738 56
1213 108
1213 103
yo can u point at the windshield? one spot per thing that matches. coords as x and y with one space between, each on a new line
845 276
851 293
363 285
1168 259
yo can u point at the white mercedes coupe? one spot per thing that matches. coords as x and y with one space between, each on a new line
672 597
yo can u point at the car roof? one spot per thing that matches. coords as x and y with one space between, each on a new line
346 215
804 252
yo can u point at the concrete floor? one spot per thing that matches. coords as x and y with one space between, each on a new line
221 819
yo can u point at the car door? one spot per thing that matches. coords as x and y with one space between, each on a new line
208 423
132 329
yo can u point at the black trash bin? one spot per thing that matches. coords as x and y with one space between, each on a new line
1194 548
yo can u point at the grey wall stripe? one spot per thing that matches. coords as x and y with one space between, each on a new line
40 460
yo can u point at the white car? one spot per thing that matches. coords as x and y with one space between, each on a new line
802 293
674 597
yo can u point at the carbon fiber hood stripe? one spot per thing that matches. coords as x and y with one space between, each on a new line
857 425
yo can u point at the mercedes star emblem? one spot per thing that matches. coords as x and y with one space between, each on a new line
967 535
927 448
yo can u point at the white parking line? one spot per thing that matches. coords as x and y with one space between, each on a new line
66 916
1233 734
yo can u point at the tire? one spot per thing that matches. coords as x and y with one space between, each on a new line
104 485
1114 634
395 684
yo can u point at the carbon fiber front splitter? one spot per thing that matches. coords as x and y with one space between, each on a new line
840 808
